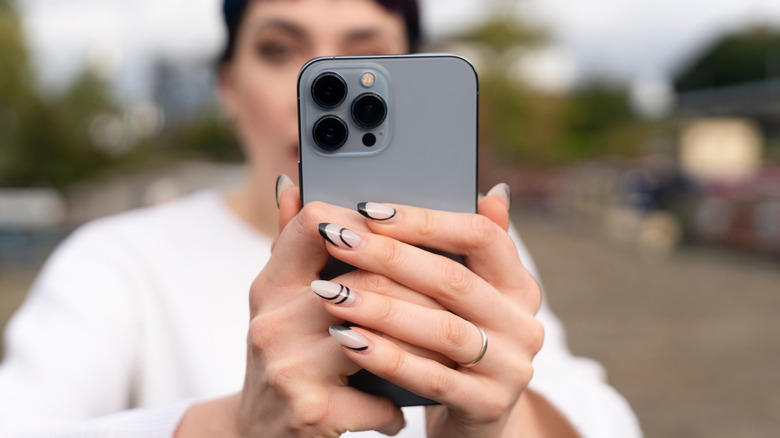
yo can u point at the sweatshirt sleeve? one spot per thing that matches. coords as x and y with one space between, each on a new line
69 350
576 386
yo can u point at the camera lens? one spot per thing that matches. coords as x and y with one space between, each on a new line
369 110
330 133
329 90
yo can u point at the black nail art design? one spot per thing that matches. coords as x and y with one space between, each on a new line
339 236
376 211
348 338
330 291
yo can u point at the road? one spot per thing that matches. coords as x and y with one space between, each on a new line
693 341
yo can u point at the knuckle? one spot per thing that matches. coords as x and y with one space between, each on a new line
494 407
438 385
535 295
387 314
456 279
536 336
261 333
374 282
428 224
281 376
310 409
485 232
396 365
394 254
453 332
311 215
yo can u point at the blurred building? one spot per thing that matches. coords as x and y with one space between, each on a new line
184 89
729 101
729 105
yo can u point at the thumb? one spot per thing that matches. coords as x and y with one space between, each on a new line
495 205
288 200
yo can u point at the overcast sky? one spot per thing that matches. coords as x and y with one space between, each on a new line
630 39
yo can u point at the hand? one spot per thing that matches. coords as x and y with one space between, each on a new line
294 382
495 293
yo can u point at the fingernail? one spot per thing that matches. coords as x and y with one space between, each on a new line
334 292
340 236
501 191
348 337
283 182
377 211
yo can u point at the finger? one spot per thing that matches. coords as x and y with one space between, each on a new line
364 280
451 284
366 412
495 205
457 389
487 248
288 200
300 254
432 329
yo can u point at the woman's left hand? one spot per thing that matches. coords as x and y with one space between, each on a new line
493 292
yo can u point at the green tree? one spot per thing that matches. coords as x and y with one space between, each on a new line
44 140
533 127
15 89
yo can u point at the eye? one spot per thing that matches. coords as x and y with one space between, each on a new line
274 51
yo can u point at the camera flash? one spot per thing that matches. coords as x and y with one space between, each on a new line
367 79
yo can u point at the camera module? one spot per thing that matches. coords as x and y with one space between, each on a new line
330 132
329 89
369 110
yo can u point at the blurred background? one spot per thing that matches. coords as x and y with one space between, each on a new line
641 141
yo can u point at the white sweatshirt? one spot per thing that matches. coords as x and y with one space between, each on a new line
136 316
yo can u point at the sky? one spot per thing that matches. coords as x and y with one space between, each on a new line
639 41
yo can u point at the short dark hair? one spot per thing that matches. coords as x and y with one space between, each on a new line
233 14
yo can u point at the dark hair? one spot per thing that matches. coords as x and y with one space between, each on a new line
233 14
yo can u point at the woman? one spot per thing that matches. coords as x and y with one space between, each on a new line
147 309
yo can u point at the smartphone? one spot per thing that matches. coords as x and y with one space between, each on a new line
395 129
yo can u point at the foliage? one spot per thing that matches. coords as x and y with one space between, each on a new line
530 127
734 59
49 139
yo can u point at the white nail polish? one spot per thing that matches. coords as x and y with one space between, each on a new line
377 211
340 236
283 182
501 191
334 293
348 337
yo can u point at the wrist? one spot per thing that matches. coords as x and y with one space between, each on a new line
212 418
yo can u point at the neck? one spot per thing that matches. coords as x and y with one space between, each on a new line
255 202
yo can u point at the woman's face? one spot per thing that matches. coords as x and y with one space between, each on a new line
258 88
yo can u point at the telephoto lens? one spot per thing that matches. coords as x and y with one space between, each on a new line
369 110
329 90
330 132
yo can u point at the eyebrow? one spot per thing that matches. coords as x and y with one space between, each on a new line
300 33
362 34
285 26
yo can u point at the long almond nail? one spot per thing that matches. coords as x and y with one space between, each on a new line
348 337
377 211
334 292
283 182
501 191
340 236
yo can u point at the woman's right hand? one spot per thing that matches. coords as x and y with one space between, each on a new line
294 384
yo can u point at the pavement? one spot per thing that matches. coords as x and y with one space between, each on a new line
692 341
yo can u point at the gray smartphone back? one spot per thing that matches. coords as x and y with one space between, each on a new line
424 152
